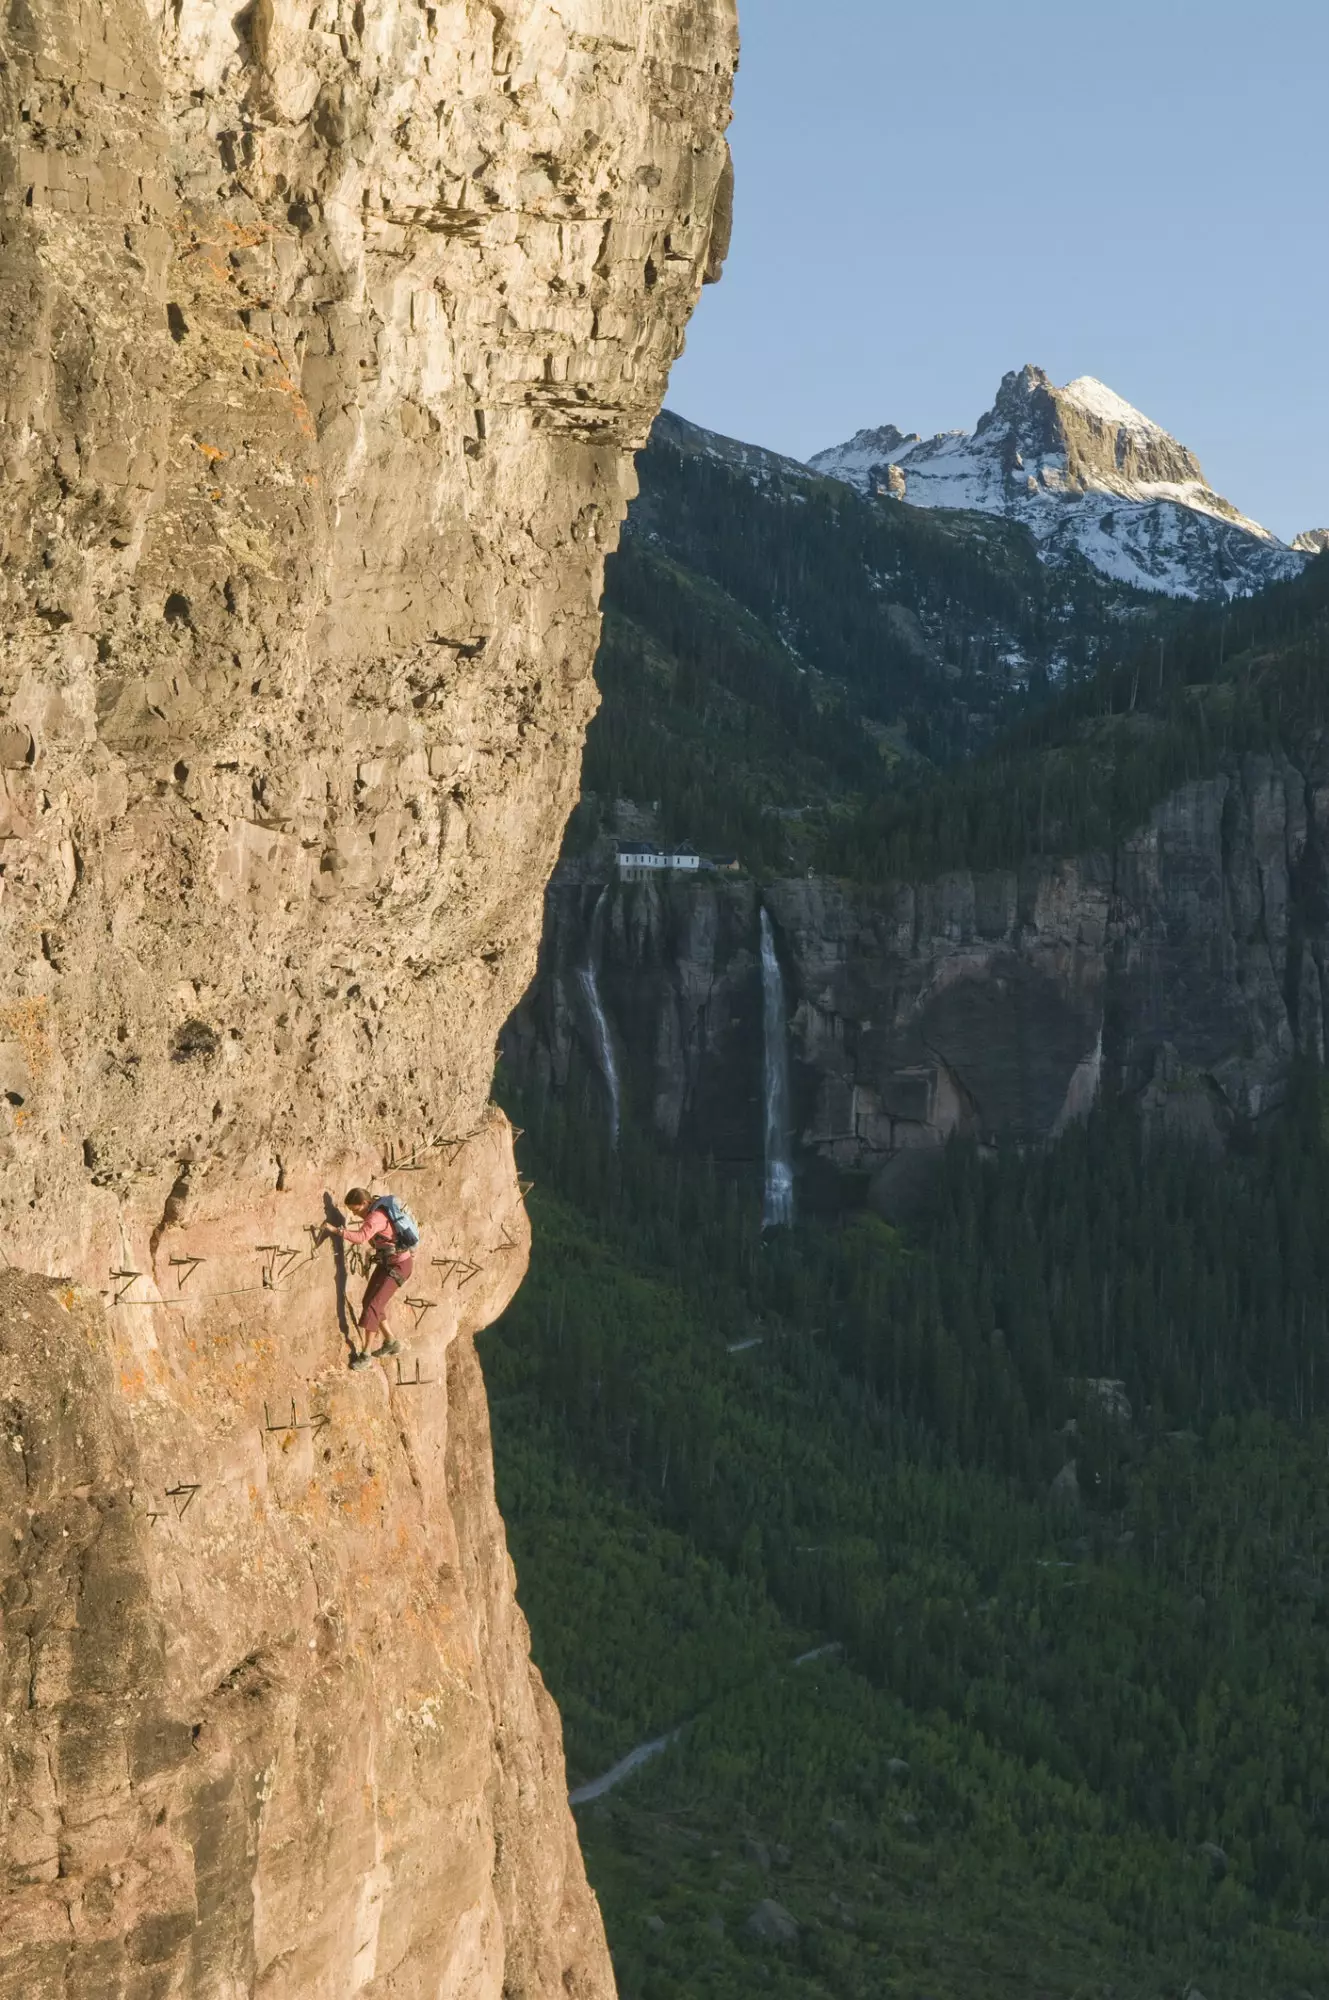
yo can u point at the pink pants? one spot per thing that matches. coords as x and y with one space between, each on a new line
387 1280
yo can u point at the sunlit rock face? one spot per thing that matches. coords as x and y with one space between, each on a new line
327 335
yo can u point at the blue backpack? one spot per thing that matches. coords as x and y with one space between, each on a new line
405 1230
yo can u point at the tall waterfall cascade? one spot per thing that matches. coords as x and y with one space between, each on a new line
778 1200
589 980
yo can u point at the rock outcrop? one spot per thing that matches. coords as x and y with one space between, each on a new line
327 334
1084 437
1188 967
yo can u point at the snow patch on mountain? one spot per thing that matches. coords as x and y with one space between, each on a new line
1090 476
1100 401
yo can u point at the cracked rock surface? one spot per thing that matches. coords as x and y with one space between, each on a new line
326 334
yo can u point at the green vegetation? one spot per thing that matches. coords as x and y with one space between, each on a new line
774 641
805 676
982 1562
1068 1743
705 711
1084 770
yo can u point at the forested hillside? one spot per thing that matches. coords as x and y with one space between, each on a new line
973 1568
1046 1474
1080 770
775 642
917 688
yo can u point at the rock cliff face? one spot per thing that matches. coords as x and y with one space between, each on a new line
327 333
1188 967
1084 437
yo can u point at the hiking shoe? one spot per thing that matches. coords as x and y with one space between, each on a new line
361 1360
388 1347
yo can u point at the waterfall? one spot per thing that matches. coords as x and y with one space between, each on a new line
778 1204
589 980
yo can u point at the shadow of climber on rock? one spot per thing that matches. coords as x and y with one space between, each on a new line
333 1221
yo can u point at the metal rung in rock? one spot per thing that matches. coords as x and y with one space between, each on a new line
280 1260
183 1496
124 1283
460 1267
185 1267
416 1381
318 1421
419 1307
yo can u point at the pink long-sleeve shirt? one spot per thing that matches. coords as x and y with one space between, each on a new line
375 1229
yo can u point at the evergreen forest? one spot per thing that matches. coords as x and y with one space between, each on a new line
805 677
966 1574
776 646
981 1568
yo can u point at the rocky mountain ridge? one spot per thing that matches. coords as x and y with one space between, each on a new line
1087 473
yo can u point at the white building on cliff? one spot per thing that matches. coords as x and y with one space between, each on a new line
640 861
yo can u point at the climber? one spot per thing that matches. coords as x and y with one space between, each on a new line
385 1226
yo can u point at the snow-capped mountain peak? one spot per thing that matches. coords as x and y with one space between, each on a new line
1089 394
1089 474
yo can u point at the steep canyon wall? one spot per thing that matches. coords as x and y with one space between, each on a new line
1188 967
326 334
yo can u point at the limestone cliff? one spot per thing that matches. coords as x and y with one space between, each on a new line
1188 967
327 334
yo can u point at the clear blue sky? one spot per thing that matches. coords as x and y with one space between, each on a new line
930 194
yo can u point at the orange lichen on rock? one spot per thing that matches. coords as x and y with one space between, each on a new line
27 1022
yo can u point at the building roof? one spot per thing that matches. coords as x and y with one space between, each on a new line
636 847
